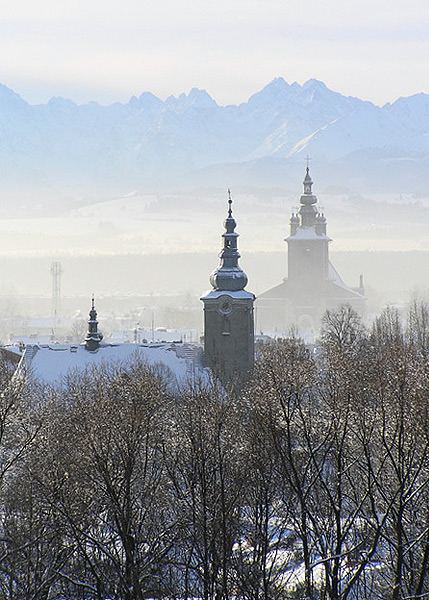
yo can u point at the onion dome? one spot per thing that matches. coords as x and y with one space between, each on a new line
308 182
308 211
308 197
229 276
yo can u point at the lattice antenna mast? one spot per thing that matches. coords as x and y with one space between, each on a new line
56 272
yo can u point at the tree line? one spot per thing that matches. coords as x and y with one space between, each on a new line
311 482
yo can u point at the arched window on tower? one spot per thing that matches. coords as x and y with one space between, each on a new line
226 326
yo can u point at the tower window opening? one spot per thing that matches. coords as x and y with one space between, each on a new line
226 328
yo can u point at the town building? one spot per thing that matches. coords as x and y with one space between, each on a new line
313 285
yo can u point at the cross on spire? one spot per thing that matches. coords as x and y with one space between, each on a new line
308 162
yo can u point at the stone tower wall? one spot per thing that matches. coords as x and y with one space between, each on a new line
229 336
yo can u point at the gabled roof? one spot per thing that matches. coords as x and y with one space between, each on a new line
335 288
52 363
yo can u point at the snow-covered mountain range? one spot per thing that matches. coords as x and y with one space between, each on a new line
191 140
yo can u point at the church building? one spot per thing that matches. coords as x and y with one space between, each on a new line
228 313
312 285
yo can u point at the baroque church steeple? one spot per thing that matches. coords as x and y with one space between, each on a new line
93 336
228 312
308 261
308 211
229 275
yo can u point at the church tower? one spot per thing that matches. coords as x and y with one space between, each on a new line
228 312
93 336
308 257
313 284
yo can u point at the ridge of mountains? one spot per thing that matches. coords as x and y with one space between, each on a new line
190 140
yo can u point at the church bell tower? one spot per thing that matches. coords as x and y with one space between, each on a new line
228 312
308 259
93 336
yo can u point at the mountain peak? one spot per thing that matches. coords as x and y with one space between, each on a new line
146 100
57 102
278 83
272 92
414 100
200 98
150 141
196 98
315 84
8 96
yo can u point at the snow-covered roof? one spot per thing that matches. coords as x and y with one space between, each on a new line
334 276
240 294
308 233
11 354
15 348
50 363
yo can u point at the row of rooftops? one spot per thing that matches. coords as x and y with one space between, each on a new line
52 363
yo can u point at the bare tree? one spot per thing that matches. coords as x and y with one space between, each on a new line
404 445
103 479
283 384
204 465
20 425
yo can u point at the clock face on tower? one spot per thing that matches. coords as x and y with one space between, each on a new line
225 305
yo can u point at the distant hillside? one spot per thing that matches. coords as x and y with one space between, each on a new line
63 147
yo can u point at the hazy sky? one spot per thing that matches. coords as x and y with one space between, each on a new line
107 51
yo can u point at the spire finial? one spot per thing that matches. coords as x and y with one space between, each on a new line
230 203
93 302
308 162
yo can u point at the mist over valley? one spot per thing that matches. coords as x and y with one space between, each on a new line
131 198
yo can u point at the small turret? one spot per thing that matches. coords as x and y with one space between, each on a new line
294 224
320 224
93 336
